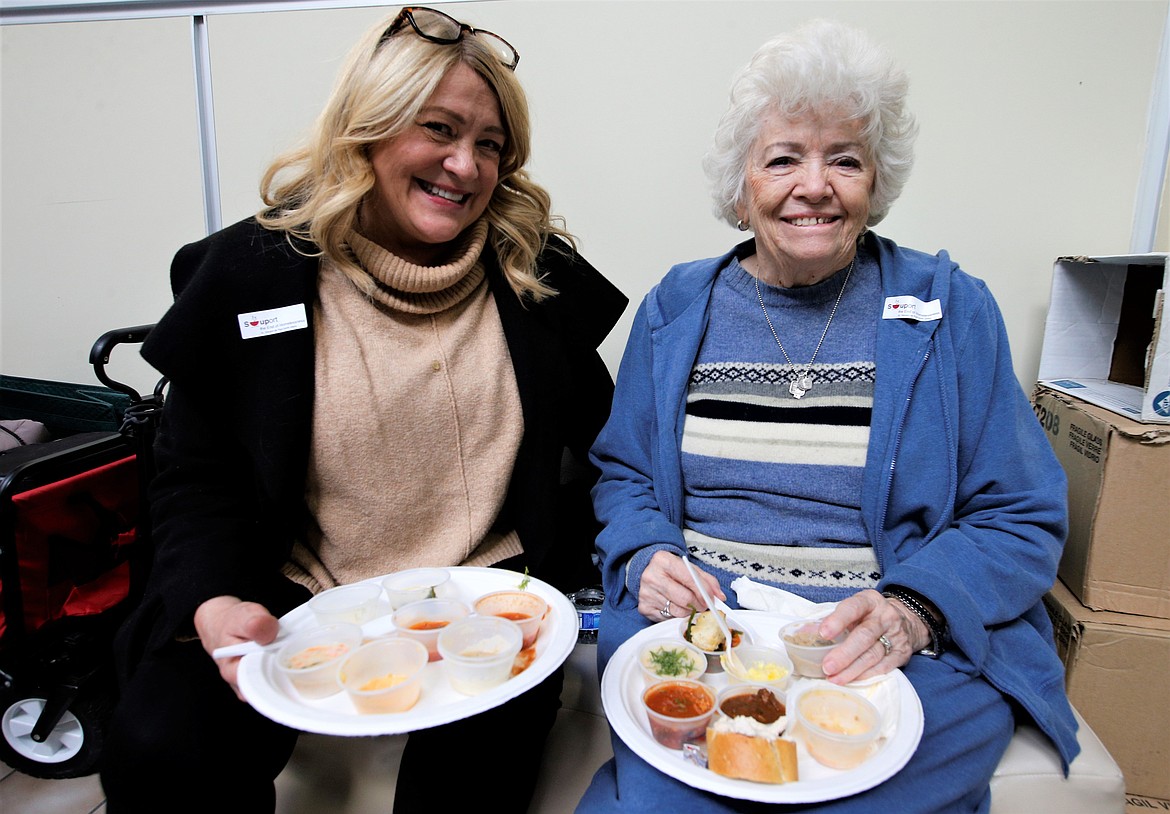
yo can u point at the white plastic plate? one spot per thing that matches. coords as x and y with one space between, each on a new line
621 695
271 695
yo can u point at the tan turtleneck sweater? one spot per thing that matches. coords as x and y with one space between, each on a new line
416 420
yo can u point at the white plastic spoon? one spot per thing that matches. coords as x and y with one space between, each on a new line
737 618
377 626
244 648
731 655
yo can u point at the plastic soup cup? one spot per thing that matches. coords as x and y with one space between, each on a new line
761 665
522 607
806 647
423 620
679 711
415 585
771 714
355 604
384 675
840 727
478 652
666 659
310 659
714 657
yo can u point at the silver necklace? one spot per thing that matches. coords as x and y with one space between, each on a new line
801 383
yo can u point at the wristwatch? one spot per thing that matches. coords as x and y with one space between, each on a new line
939 634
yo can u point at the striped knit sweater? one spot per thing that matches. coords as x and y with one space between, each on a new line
772 483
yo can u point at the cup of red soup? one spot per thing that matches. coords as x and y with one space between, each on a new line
522 607
679 711
423 620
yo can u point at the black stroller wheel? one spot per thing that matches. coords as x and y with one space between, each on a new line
72 747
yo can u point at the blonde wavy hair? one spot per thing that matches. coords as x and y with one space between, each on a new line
314 191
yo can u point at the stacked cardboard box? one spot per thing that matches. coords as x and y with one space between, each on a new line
1103 397
1117 666
1117 556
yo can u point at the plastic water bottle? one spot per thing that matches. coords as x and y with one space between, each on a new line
588 602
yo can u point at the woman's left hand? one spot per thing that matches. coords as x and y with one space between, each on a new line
883 635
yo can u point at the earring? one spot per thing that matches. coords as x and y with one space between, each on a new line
741 225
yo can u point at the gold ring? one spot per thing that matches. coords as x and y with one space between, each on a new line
885 643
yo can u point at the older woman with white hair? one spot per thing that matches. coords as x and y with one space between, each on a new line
824 412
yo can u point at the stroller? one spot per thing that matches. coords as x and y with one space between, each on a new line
74 553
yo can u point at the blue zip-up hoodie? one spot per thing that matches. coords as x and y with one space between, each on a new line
962 497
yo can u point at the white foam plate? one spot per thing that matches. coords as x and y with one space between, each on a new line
271 694
621 695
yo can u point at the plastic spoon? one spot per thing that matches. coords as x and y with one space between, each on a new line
731 656
244 648
737 618
373 627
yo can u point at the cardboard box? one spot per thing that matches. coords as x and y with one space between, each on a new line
1116 667
1139 804
1104 340
1117 556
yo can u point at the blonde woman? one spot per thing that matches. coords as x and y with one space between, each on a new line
382 370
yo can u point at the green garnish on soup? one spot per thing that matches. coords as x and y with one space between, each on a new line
671 662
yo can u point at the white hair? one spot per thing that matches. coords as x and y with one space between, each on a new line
821 67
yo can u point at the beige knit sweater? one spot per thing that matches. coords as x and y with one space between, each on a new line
416 421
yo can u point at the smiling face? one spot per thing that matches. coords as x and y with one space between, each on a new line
809 182
436 178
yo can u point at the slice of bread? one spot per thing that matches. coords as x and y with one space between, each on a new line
747 757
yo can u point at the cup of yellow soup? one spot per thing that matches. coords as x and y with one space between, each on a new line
384 675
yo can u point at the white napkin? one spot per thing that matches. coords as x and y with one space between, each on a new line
754 596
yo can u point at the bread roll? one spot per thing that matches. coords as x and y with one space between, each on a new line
748 757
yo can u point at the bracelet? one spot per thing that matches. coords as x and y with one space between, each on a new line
938 630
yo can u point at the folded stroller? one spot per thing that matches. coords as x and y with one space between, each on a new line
74 551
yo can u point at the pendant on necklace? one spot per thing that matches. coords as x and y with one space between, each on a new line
799 386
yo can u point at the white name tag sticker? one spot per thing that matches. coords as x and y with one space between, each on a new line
273 321
911 308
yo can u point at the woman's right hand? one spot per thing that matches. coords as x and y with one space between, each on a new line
224 620
667 590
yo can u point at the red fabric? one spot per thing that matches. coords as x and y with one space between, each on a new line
72 541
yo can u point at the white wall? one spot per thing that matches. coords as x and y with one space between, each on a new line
1033 124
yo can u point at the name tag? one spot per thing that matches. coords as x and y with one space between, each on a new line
273 321
911 308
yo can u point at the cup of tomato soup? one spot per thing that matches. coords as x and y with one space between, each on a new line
522 607
679 711
423 620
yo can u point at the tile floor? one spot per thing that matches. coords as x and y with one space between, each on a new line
21 794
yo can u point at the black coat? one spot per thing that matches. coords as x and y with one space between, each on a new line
233 445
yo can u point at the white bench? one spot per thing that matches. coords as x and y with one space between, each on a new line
356 775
